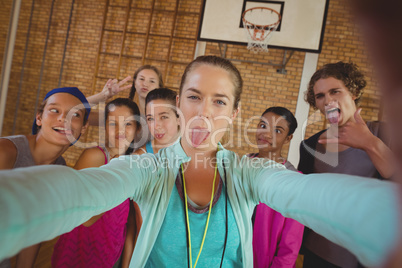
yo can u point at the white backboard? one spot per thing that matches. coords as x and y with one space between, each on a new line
301 28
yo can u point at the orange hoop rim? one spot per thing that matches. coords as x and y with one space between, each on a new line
256 25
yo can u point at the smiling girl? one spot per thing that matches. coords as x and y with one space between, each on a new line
60 121
100 241
196 197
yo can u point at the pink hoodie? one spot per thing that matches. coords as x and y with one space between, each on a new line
276 239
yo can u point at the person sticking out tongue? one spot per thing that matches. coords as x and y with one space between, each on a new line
348 146
162 120
336 90
198 135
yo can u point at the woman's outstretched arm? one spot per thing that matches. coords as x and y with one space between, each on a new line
357 213
42 202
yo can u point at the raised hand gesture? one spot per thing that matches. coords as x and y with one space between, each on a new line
111 88
353 133
356 134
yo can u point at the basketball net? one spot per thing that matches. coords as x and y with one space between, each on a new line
259 23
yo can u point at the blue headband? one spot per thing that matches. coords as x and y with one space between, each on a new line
70 90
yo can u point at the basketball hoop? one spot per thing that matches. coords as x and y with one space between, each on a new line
259 23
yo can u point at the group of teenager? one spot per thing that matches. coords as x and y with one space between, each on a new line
179 198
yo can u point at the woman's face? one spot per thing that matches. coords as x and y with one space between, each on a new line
120 127
62 119
146 81
162 122
334 100
206 101
272 132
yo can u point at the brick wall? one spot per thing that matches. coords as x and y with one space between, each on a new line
263 86
343 42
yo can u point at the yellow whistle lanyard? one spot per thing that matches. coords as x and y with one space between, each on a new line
188 222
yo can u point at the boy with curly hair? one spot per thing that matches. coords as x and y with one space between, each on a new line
348 146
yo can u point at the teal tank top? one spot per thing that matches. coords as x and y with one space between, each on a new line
170 248
148 147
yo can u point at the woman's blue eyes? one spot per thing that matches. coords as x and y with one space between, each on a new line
220 102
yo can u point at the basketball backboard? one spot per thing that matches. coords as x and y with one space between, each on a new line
301 28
